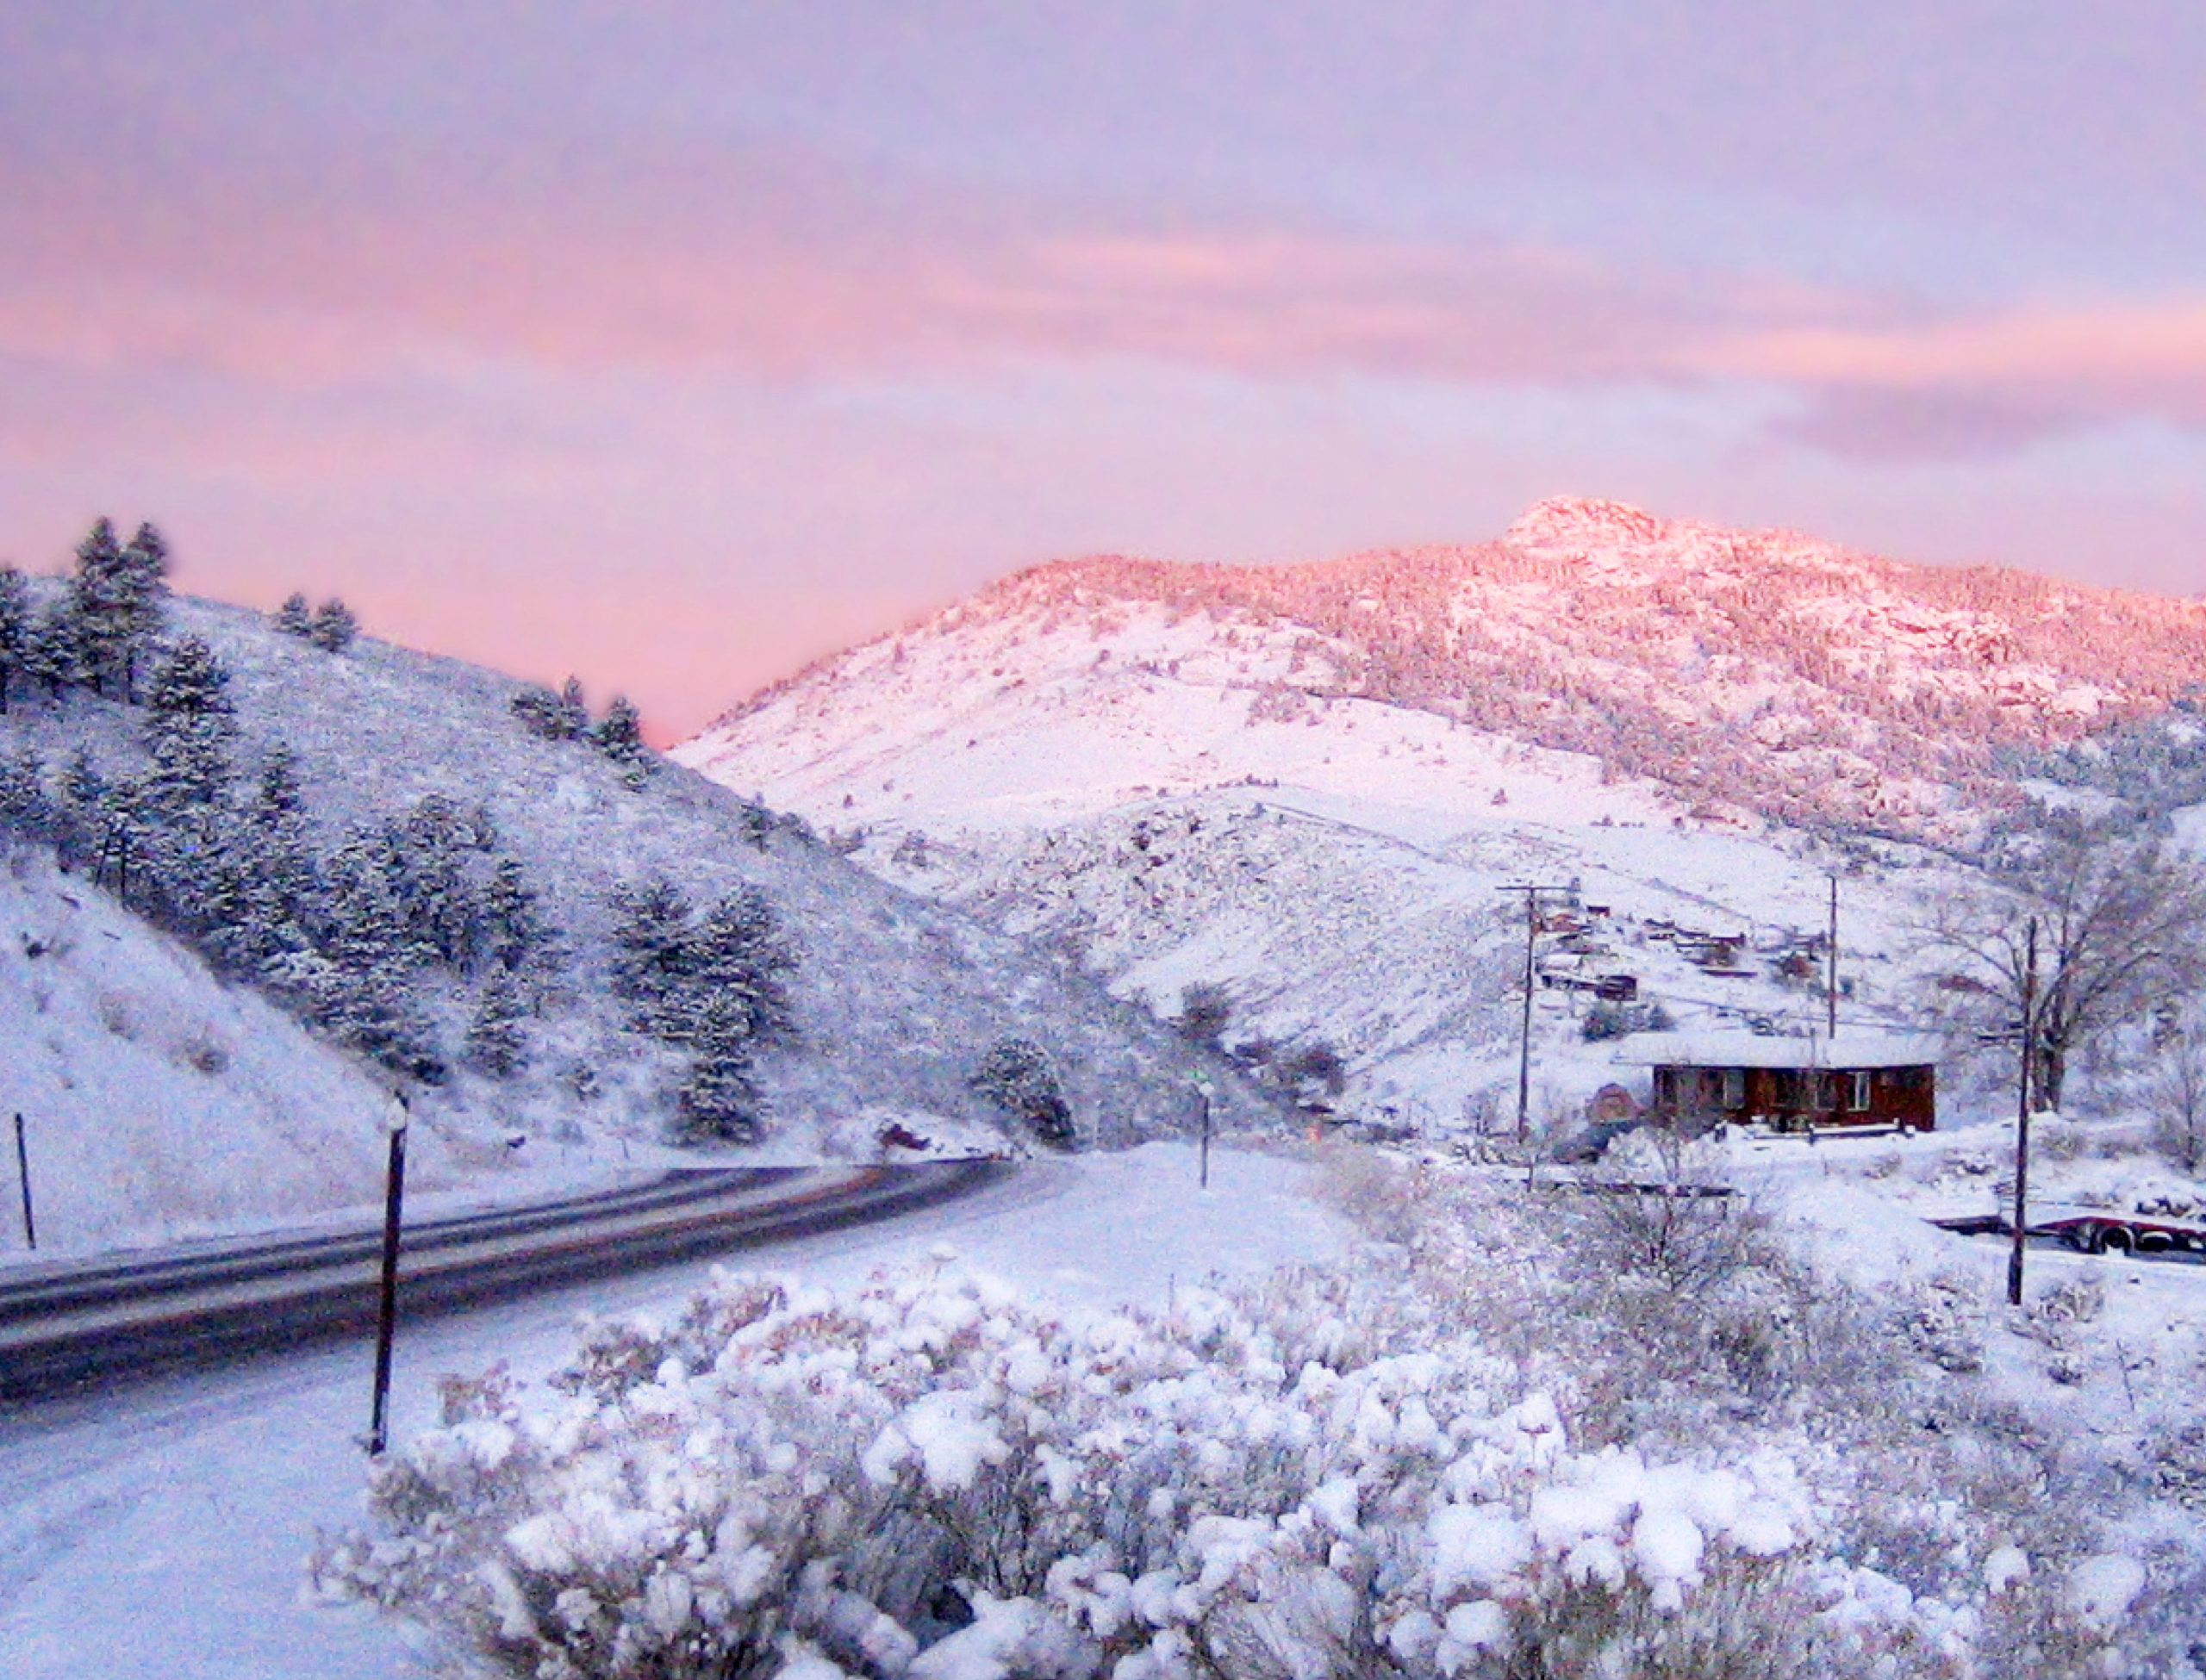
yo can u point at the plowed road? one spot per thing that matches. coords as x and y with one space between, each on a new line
66 1326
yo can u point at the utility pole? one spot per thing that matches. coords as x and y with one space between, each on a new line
1830 982
1531 893
23 1172
387 1314
2023 1121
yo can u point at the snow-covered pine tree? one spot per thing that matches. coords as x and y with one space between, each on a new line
618 735
53 649
96 603
25 810
716 988
293 617
740 968
265 881
125 843
718 1098
542 713
143 575
335 627
514 930
653 955
356 983
574 709
78 819
427 855
495 1043
190 724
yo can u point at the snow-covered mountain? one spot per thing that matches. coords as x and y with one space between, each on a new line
1759 671
1311 786
162 1100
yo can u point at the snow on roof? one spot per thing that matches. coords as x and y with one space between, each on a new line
1751 1050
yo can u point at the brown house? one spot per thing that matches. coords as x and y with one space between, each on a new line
1743 1079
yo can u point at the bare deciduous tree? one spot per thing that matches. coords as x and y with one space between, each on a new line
2179 1094
2121 926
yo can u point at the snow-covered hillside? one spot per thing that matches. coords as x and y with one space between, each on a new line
156 1100
162 1100
1760 670
1193 776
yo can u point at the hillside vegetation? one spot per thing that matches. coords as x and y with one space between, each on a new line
557 942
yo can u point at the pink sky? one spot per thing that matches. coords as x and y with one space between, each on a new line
677 344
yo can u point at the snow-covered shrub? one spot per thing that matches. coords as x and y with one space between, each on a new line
929 1478
1919 1474
1943 1324
1016 1078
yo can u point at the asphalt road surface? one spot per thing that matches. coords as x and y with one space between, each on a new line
69 1326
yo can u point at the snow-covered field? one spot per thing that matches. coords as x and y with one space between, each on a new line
164 1530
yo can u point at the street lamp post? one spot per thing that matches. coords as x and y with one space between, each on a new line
386 1315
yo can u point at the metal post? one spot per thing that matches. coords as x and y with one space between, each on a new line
2023 1123
23 1172
387 1315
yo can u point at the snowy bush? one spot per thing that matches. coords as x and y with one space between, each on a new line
1477 1460
1016 1078
929 1479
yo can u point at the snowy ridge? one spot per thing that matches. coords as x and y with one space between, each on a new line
1756 669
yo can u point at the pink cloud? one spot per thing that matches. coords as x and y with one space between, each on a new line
779 270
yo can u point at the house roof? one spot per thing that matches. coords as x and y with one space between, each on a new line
1749 1050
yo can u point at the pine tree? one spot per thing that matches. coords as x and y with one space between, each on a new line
574 710
738 969
427 855
15 628
294 617
52 650
98 604
716 988
124 840
142 574
191 724
719 1097
25 807
619 736
654 955
335 627
545 713
513 930
265 885
78 818
495 1043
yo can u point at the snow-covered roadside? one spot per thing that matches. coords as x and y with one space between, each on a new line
162 1533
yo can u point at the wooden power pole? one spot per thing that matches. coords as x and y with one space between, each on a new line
1531 891
1830 978
2023 1121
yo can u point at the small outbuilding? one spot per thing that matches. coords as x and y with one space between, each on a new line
1739 1079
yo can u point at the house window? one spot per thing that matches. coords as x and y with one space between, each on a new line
1857 1095
1734 1087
